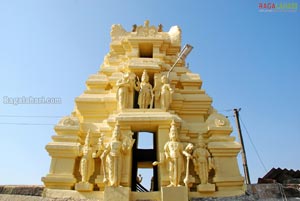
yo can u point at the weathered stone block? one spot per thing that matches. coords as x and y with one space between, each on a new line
174 193
84 186
116 194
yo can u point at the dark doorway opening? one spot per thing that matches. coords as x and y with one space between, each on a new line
143 155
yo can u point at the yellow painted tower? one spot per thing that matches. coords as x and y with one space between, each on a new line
143 86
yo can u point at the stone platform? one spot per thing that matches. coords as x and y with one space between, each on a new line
270 192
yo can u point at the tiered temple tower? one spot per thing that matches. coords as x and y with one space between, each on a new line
95 152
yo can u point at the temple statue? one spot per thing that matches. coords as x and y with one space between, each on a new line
99 150
157 90
202 162
174 154
123 91
113 156
166 93
86 162
145 92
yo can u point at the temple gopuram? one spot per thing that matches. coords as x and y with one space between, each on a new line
143 87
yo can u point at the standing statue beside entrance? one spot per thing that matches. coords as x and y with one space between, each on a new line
203 163
98 153
113 155
174 154
86 162
86 167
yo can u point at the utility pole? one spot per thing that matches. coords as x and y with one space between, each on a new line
244 158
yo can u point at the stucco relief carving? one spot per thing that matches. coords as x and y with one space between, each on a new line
145 98
166 93
68 121
117 32
124 87
216 119
174 155
203 162
146 30
157 90
86 163
113 156
162 91
99 150
177 158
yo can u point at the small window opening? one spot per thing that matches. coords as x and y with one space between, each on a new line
146 50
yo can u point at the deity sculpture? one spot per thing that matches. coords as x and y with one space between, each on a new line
124 87
99 150
86 162
203 162
113 156
166 93
174 154
145 92
157 90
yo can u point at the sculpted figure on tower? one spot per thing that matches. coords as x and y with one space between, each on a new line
123 91
145 92
174 154
166 93
203 162
113 153
86 162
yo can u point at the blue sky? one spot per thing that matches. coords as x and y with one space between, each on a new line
247 59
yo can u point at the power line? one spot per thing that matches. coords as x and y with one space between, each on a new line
26 124
31 116
27 116
260 159
243 151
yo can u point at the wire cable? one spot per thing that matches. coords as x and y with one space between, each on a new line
27 116
31 116
251 141
26 124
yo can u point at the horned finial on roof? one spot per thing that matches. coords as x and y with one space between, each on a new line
160 28
134 28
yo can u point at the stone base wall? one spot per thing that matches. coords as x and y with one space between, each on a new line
21 190
270 192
